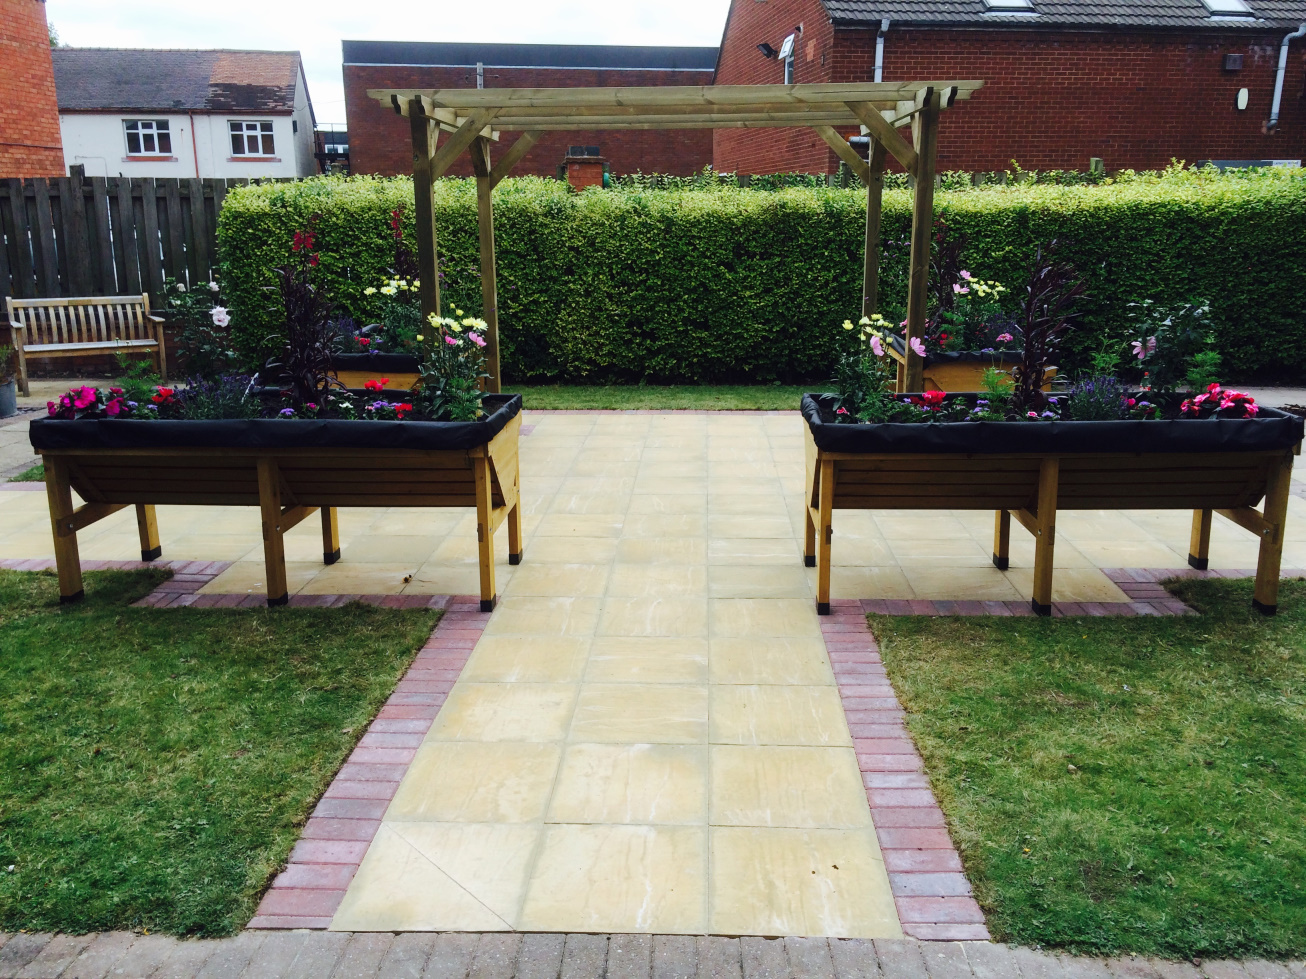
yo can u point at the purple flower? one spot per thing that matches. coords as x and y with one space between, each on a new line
287 412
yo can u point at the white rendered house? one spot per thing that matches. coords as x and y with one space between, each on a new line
134 112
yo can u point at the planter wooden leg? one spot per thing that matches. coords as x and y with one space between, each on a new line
1002 540
330 535
809 538
1045 534
514 534
1199 544
274 549
59 492
485 531
148 525
824 536
1265 597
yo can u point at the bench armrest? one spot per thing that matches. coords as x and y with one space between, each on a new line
15 325
157 319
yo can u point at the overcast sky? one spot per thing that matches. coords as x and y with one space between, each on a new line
316 29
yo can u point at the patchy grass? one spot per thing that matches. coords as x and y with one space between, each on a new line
761 397
34 475
155 771
1122 785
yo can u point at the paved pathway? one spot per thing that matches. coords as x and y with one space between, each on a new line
336 955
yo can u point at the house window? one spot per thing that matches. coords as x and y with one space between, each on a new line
787 56
148 137
1228 8
1009 7
252 139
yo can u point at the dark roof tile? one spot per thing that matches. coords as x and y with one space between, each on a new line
528 55
1090 14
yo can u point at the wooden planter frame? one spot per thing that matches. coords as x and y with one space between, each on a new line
287 485
473 119
1034 486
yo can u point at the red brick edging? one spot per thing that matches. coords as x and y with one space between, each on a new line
930 890
337 835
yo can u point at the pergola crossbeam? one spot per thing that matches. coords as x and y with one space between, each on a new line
877 107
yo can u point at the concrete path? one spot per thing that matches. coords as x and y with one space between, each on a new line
337 955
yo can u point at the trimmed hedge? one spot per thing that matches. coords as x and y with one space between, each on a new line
726 285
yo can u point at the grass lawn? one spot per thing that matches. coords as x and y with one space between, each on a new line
1122 784
725 397
155 764
34 475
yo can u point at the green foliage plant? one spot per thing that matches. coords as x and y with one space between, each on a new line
690 286
205 335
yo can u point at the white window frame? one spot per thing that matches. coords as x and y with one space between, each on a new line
1228 8
147 133
260 130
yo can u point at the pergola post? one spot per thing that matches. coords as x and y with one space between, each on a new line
925 137
480 152
424 131
874 200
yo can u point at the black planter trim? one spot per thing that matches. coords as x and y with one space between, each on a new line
276 433
1270 429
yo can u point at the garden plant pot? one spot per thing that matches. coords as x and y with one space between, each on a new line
8 398
287 468
961 370
354 370
1033 469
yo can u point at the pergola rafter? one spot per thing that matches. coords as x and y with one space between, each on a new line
473 120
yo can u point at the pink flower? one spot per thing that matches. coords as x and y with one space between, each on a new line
841 411
960 290
83 397
452 341
220 316
52 407
113 407
917 347
1031 414
476 339
1005 338
964 274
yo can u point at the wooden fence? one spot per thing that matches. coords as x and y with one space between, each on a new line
107 236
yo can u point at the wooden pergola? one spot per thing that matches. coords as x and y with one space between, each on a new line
474 119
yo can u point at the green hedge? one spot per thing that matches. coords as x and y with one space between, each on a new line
724 284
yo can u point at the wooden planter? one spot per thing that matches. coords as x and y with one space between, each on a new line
1033 469
962 370
288 469
354 370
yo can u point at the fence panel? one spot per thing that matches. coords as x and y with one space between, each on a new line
98 236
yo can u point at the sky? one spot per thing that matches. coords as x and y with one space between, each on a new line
316 29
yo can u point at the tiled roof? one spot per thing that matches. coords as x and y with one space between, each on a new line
131 79
1092 14
529 55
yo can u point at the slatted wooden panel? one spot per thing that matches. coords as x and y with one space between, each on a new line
107 236
230 478
1214 480
88 320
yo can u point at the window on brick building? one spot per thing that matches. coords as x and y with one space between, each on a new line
148 137
1228 8
251 139
1009 6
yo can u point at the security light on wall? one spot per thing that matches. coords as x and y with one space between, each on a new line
767 50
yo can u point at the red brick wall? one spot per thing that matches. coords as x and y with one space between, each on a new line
750 23
30 145
379 140
1053 100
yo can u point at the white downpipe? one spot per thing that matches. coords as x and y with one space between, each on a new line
879 51
1278 78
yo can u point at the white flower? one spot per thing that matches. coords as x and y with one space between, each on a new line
181 287
213 286
220 316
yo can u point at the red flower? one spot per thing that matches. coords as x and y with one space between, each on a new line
933 398
163 395
376 385
364 342
313 260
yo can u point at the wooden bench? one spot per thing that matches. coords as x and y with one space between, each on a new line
74 327
1034 486
287 485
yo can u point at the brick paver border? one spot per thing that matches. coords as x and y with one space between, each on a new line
337 835
930 890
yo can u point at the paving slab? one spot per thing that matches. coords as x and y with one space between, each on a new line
719 958
55 957
584 957
20 950
674 957
764 958
540 956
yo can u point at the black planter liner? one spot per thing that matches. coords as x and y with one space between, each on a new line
1270 429
997 357
275 433
378 363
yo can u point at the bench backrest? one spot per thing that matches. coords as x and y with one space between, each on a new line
91 320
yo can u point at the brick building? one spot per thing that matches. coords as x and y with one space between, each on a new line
29 112
1066 81
379 139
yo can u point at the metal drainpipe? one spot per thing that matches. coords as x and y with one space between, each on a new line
480 74
1278 78
879 49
